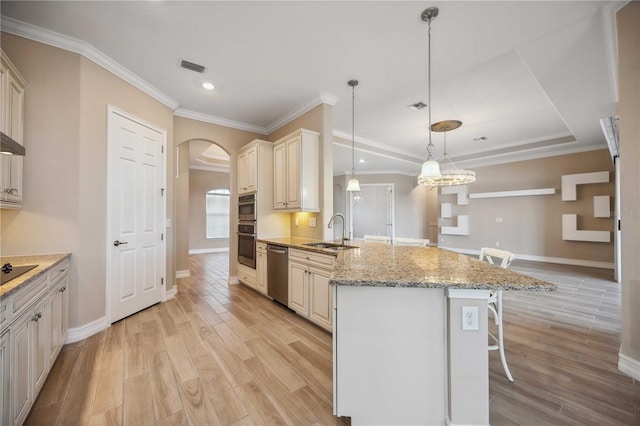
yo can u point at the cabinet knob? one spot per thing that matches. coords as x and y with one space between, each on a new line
63 289
37 316
11 191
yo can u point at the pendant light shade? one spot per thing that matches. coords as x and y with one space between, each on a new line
353 185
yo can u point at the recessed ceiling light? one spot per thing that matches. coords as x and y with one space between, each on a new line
481 138
361 160
208 85
417 106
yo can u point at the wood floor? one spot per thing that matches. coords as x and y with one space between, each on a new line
219 354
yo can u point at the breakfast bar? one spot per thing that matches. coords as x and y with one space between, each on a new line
401 355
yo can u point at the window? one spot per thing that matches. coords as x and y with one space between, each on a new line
217 209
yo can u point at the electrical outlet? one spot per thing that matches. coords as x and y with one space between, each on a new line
497 243
470 318
312 222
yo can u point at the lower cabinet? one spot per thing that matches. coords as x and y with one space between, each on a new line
309 289
261 268
32 342
59 306
5 371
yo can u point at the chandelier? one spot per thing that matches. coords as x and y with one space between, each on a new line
432 173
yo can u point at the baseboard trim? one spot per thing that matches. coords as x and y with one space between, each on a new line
629 366
87 330
170 294
183 274
209 250
234 281
559 260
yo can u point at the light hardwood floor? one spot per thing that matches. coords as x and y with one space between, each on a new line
220 354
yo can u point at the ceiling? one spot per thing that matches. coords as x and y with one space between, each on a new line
532 78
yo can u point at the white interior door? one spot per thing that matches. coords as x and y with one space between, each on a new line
136 215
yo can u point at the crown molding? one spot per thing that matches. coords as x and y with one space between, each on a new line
194 115
61 41
343 135
220 169
323 98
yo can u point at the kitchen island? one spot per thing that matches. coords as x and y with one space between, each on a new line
401 355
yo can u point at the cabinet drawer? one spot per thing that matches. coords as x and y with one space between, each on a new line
58 271
316 259
261 247
29 293
247 275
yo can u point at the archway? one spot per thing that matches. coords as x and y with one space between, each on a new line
202 181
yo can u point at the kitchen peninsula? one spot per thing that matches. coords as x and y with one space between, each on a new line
400 353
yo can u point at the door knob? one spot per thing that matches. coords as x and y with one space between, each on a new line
117 243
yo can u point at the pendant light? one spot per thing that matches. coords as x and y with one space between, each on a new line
430 168
353 185
433 173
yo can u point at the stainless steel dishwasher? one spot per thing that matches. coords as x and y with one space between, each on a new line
278 273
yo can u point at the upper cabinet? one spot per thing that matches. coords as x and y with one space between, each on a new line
296 172
12 124
248 170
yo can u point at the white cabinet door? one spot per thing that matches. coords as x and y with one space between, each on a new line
321 299
11 123
299 288
41 332
293 173
261 271
59 307
248 171
280 176
21 366
5 358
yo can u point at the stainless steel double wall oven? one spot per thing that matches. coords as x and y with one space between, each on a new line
247 230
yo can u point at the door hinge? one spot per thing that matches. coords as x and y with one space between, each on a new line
161 237
162 149
162 192
161 281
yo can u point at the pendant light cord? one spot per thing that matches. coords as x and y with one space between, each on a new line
430 146
353 131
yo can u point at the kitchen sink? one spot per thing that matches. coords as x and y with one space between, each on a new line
330 246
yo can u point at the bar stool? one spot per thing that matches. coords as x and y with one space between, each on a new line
493 256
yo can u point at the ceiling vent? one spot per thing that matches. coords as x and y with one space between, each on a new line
191 66
417 106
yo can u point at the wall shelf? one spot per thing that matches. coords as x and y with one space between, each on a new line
519 193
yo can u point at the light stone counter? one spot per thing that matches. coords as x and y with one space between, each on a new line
385 265
44 262
388 265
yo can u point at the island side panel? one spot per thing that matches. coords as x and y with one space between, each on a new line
468 372
390 355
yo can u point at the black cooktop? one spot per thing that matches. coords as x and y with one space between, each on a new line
10 272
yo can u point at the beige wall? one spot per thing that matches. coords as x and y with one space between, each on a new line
65 206
628 21
532 225
228 139
200 182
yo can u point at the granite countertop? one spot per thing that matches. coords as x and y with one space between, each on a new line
299 243
387 265
44 262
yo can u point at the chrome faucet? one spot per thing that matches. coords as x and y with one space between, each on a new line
344 238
